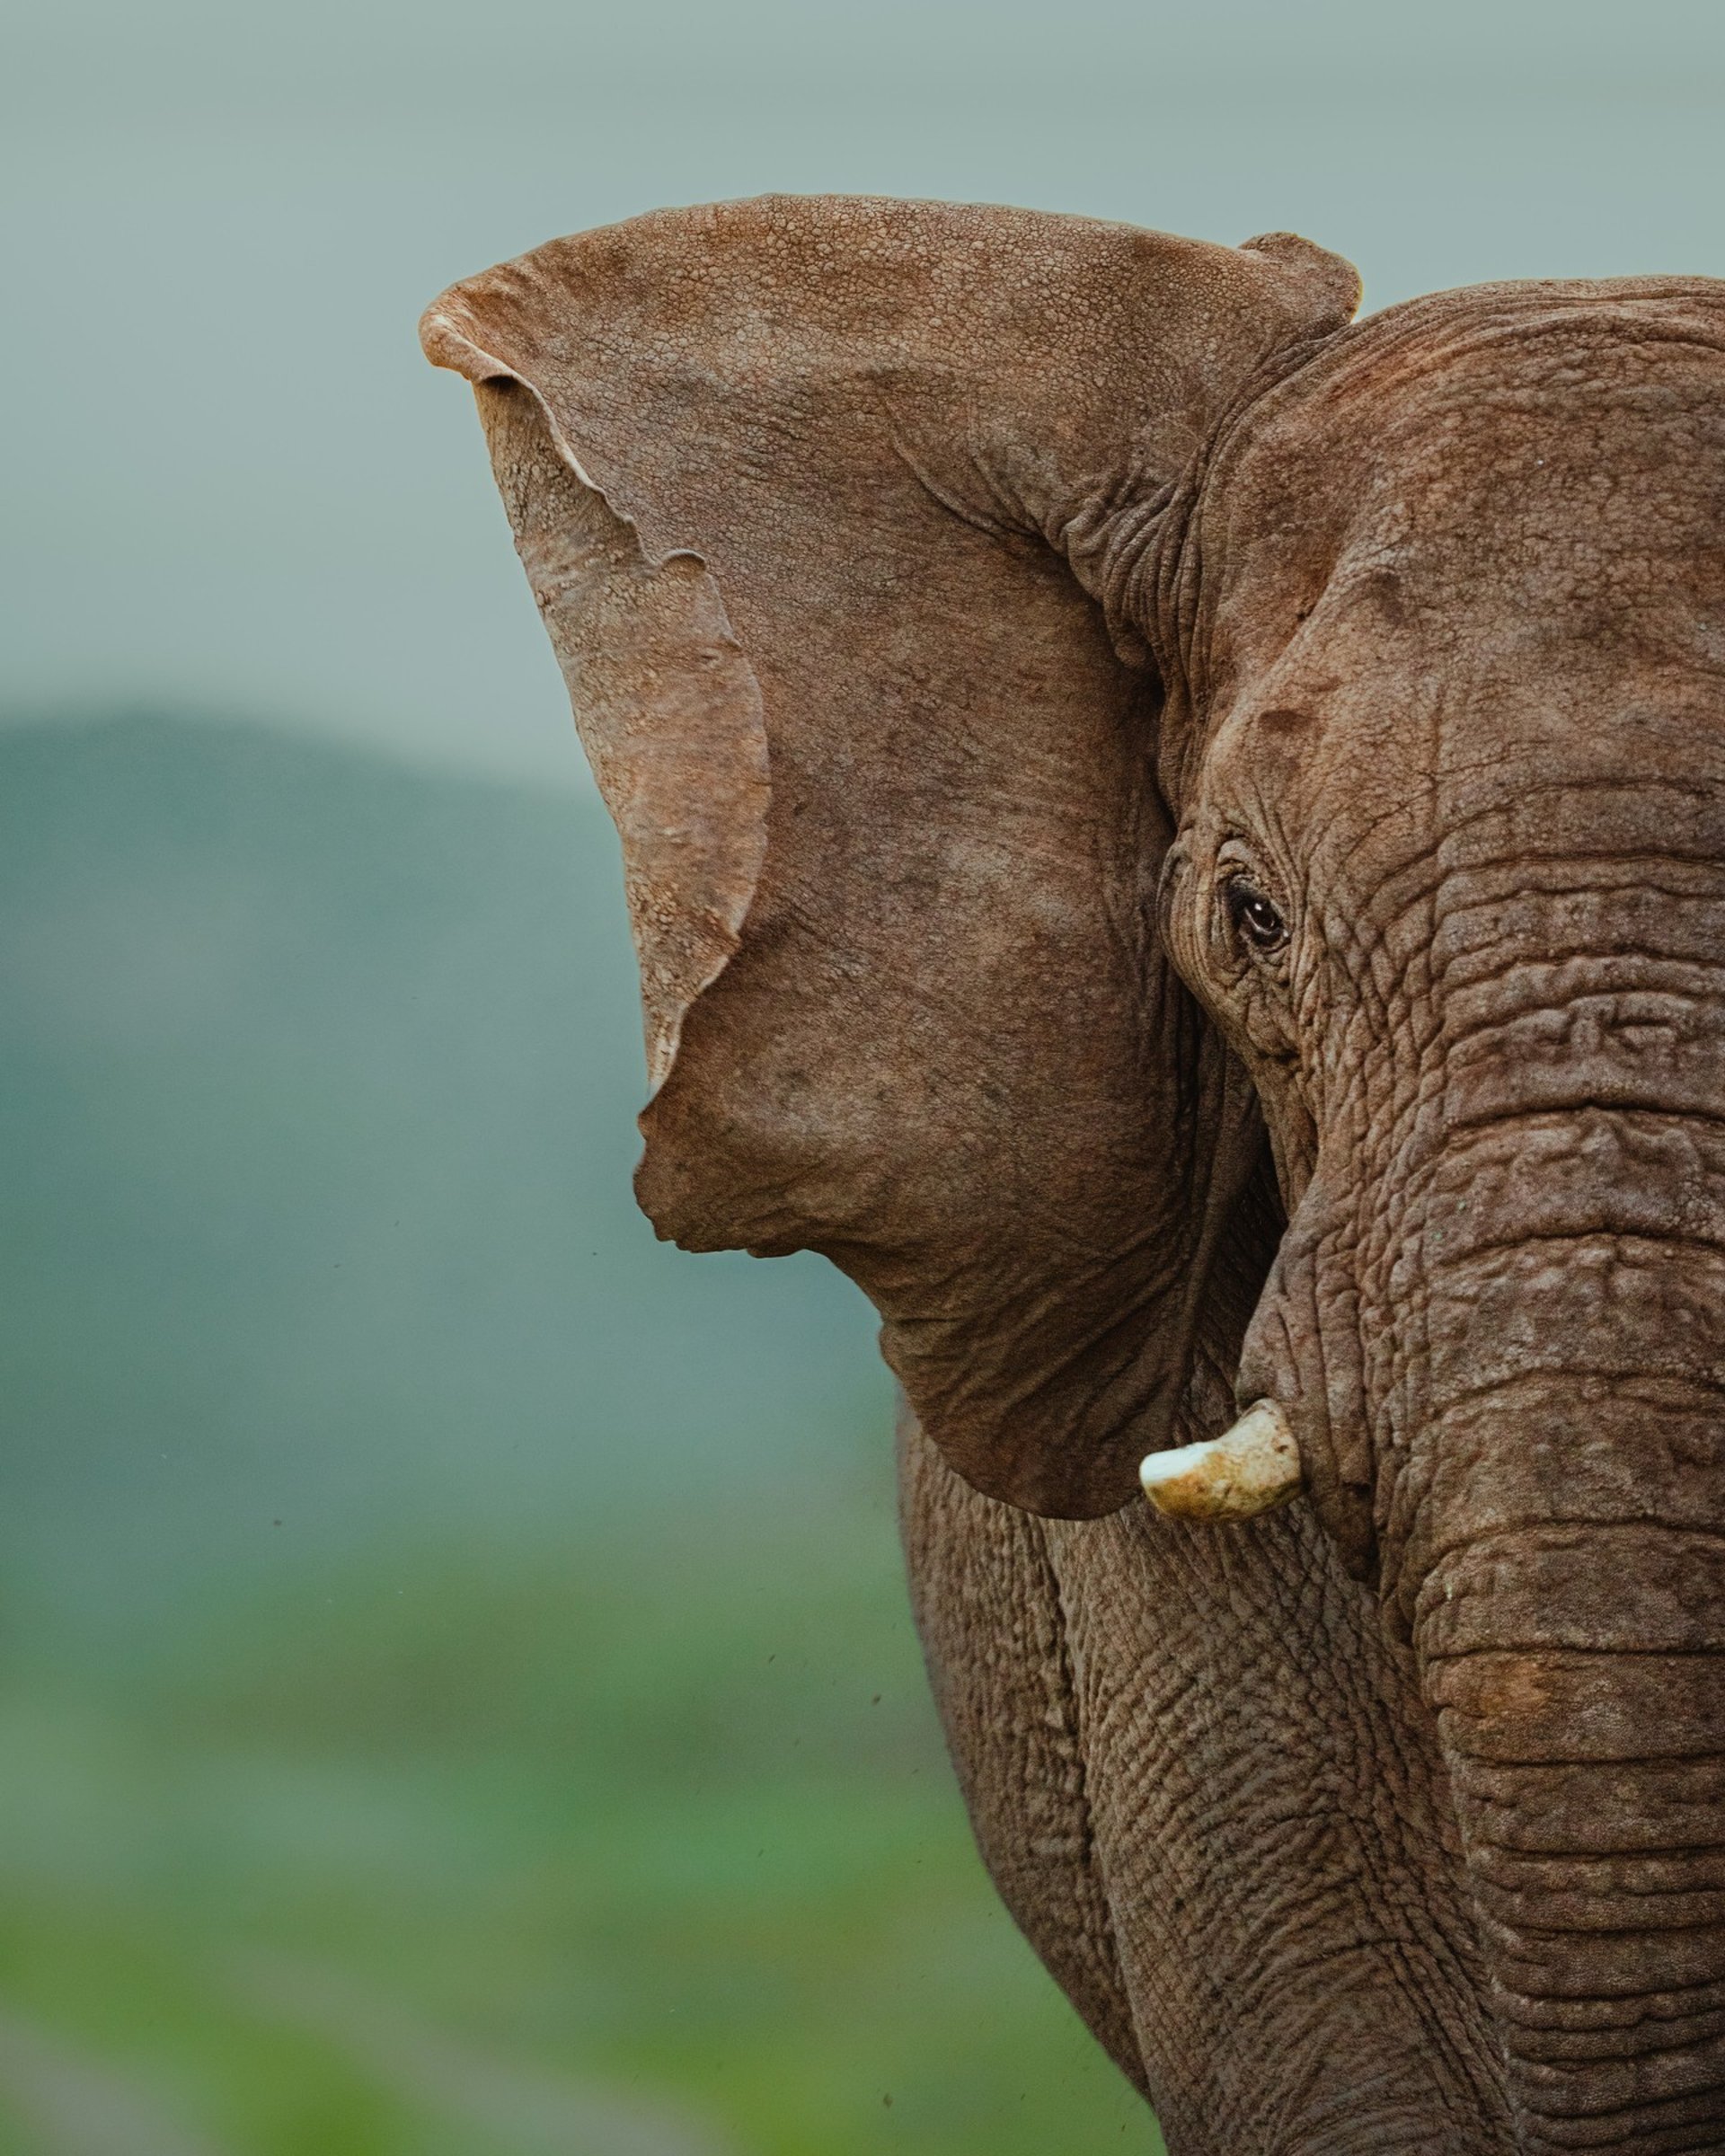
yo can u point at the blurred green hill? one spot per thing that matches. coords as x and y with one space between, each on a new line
456 1692
319 1078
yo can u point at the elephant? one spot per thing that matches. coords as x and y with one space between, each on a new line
1178 836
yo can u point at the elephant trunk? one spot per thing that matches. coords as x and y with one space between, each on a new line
1557 1562
1581 1719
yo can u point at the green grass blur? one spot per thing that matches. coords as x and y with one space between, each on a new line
457 1693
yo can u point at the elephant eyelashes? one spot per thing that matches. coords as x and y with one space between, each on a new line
1257 921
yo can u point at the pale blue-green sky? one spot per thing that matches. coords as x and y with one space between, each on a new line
230 480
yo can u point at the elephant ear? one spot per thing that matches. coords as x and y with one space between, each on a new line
801 486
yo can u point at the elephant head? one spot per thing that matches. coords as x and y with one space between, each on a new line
1181 841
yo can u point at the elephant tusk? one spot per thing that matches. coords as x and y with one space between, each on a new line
1250 1469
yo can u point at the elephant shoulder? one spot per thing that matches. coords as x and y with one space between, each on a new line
988 1610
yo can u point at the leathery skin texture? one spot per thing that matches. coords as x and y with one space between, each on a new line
1207 1790
1180 840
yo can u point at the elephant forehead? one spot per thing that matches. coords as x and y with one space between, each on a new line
1552 446
1480 532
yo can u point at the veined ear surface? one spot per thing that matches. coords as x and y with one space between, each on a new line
793 481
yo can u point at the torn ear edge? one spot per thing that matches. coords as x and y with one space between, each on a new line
691 865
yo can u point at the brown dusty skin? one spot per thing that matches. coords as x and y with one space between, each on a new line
1182 844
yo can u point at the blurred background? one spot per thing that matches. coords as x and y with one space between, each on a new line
455 1688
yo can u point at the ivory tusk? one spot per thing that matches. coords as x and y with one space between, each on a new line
1251 1468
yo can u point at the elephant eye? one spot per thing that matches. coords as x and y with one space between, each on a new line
1255 918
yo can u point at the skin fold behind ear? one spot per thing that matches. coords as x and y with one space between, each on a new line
793 481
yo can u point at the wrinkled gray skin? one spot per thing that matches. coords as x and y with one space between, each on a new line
1392 1821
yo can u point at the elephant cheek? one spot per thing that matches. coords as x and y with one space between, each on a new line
1302 1349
